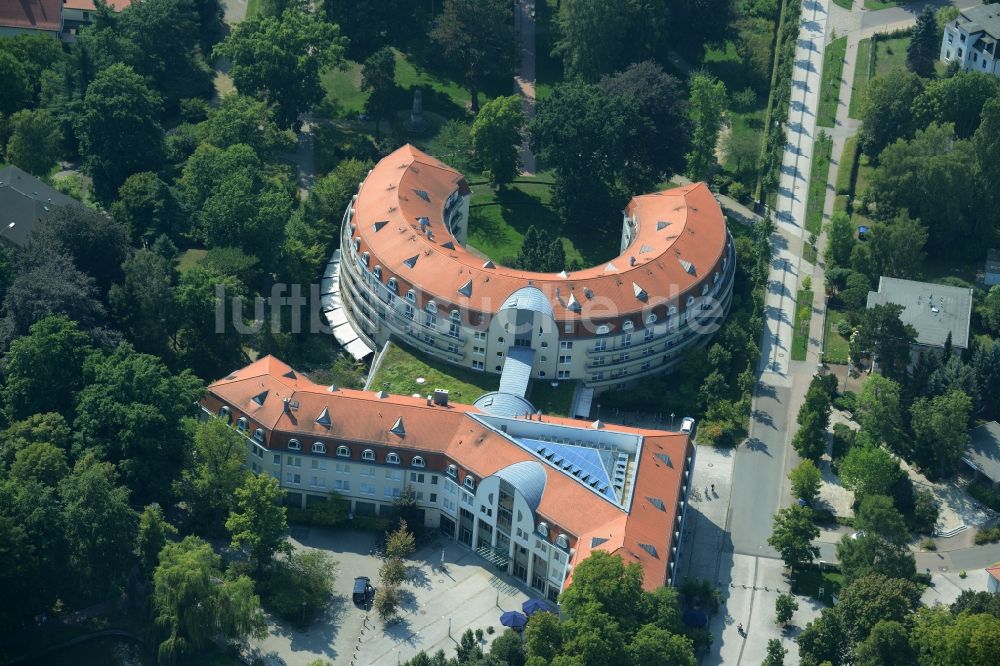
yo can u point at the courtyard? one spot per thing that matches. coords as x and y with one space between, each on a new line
439 604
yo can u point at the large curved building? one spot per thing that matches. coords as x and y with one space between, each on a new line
405 270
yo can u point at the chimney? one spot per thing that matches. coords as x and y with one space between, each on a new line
288 407
429 401
441 397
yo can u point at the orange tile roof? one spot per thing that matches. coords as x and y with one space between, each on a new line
31 14
677 227
994 570
365 418
88 5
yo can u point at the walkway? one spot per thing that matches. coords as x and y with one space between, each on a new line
524 82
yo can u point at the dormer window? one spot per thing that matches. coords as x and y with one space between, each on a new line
418 462
650 318
715 277
543 529
357 244
392 458
456 315
469 482
224 412
627 325
603 329
690 301
294 445
343 452
365 257
672 310
452 471
319 447
411 296
258 434
368 454
431 307
242 424
562 541
392 285
378 272
704 290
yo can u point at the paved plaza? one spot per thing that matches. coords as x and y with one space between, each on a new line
439 605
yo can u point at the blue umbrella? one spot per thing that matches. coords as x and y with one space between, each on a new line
514 620
532 606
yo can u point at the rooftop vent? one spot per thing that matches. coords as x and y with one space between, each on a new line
597 425
440 398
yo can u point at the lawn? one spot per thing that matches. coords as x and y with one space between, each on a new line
817 183
890 54
253 6
846 4
860 77
800 334
549 399
189 259
833 69
401 367
809 582
846 166
835 348
499 220
875 5
441 95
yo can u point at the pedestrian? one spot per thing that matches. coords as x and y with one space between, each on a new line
713 488
739 629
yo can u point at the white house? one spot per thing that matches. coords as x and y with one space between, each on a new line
971 39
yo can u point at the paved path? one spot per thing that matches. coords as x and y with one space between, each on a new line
524 82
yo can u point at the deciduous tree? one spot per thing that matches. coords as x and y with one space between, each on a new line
148 208
210 480
877 515
476 36
707 110
378 79
259 522
888 644
784 607
35 141
887 109
775 653
278 59
882 335
805 480
869 470
243 119
195 604
496 139
143 303
940 430
839 240
118 129
792 536
154 533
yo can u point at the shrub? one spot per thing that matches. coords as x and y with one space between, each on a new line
739 191
299 586
699 592
846 401
843 440
928 544
844 328
987 496
991 535
962 574
925 511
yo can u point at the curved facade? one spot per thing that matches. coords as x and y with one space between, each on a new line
405 271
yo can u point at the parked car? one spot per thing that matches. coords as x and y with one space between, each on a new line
363 590
687 425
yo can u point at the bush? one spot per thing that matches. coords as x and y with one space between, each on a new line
844 328
372 523
991 535
299 586
925 511
987 496
928 544
843 440
739 191
846 401
331 512
699 592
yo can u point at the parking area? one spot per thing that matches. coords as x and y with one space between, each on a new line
439 604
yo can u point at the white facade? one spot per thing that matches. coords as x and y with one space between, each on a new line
971 40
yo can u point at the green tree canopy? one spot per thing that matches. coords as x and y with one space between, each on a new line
922 51
882 335
877 515
793 534
378 79
147 207
958 99
476 37
194 604
132 411
118 129
258 523
887 109
210 352
143 303
862 555
941 638
941 433
278 59
215 471
888 644
243 119
96 242
805 480
870 470
35 141
153 534
707 109
41 462
496 139
839 239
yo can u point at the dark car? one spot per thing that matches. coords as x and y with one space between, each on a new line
363 590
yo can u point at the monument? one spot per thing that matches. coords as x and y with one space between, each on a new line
416 124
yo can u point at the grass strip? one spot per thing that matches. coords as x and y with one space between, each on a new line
833 69
800 334
817 183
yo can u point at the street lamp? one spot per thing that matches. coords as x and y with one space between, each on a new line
672 415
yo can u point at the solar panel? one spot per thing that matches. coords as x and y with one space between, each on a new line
585 463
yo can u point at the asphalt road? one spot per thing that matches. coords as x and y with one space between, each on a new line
885 17
760 464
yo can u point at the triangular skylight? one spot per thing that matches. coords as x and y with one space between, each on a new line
610 268
563 274
290 374
658 503
412 261
324 417
661 225
665 458
378 225
645 248
597 425
260 397
639 292
466 289
397 428
448 245
649 549
489 264
423 195
687 266
597 541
